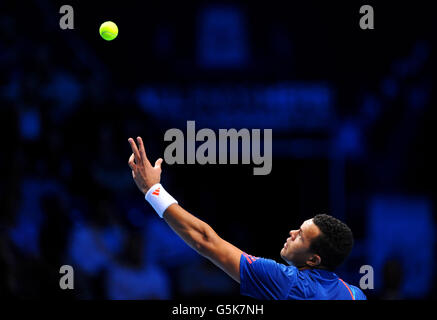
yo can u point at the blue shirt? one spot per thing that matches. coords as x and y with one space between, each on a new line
266 279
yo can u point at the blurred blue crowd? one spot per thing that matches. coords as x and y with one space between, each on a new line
67 196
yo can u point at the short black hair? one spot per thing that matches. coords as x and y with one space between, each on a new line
334 243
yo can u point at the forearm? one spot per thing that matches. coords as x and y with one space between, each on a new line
195 232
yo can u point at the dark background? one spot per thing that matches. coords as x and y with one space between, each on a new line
352 114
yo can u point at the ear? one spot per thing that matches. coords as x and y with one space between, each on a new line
314 260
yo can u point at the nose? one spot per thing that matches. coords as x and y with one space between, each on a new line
292 234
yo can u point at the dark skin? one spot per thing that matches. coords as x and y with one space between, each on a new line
296 250
202 238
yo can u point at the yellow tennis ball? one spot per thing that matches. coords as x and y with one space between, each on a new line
108 30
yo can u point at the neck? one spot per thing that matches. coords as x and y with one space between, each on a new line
306 267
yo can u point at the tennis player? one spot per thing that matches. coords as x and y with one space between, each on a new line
312 252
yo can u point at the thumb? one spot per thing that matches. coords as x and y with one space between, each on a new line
158 163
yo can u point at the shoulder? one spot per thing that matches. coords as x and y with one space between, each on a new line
265 278
268 270
358 293
268 265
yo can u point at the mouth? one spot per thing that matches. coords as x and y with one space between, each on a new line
286 243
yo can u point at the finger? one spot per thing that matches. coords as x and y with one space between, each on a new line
131 162
135 150
158 163
143 151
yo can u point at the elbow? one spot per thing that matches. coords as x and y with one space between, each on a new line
200 247
206 242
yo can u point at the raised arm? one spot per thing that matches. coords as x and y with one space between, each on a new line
195 232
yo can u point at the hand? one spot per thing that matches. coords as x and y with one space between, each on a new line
145 176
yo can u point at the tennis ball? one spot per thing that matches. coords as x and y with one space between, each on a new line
108 30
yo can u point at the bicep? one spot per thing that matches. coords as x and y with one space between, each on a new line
225 256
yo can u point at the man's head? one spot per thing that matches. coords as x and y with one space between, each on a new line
320 242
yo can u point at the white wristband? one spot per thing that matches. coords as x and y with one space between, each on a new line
159 199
